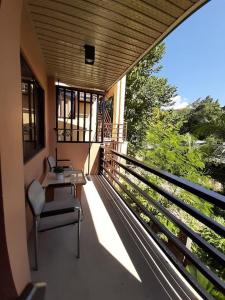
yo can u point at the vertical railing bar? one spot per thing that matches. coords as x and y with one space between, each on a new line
78 116
71 115
29 103
64 113
35 102
90 123
96 139
84 119
103 116
57 112
90 130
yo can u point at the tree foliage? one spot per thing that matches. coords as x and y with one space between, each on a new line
167 140
204 118
169 150
145 91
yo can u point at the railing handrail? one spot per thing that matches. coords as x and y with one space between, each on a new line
179 223
198 190
117 174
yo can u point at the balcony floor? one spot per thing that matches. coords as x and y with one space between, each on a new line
111 266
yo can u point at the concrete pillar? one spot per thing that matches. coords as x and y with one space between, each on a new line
118 93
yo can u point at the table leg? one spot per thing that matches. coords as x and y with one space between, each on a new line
78 192
49 193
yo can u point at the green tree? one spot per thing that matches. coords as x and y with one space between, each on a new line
165 148
144 92
206 117
166 140
169 150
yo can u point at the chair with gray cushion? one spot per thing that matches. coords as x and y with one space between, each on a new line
52 163
52 215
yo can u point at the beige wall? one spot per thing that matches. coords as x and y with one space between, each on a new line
36 167
30 48
118 94
12 169
78 154
16 34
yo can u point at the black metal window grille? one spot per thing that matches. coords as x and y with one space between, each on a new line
32 112
79 115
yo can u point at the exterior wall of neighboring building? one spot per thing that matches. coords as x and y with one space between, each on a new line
12 168
118 94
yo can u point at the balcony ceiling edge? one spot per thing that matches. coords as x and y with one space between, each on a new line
180 20
121 31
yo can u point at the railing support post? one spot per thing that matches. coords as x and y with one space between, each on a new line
101 157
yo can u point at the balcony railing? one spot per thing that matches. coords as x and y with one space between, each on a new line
115 132
109 132
136 183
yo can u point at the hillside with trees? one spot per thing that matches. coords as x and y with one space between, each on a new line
182 142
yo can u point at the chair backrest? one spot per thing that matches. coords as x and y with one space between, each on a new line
36 197
51 162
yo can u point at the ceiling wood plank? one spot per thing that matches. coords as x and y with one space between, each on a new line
122 31
79 39
73 59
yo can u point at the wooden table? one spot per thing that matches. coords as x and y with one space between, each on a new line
71 178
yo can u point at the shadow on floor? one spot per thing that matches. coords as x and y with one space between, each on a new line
110 267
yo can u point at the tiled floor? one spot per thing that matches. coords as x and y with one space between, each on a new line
110 267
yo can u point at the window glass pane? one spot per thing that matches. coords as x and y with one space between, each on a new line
32 112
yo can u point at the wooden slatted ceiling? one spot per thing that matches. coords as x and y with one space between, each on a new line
122 32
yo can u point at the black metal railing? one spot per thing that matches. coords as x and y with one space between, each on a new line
115 132
134 182
77 113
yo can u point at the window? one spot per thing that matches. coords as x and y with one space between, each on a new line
32 112
79 115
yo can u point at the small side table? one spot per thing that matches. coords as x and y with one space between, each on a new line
73 178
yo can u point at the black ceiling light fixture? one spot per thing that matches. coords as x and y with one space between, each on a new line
89 54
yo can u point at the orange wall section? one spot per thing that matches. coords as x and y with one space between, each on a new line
30 49
12 169
78 154
36 167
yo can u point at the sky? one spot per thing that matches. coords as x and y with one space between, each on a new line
195 55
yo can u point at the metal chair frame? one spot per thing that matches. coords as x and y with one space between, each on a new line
37 208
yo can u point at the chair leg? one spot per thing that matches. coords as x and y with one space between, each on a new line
36 243
78 233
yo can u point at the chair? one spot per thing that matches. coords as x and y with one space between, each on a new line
52 215
53 163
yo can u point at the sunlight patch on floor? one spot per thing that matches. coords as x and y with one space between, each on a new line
106 232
